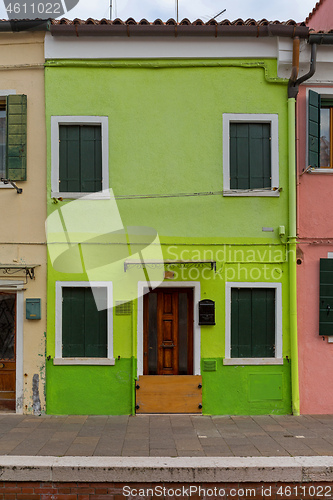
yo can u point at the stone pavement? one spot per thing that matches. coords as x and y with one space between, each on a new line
166 436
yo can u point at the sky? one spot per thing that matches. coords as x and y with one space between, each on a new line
271 10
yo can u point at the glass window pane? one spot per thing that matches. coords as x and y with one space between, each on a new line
325 146
7 327
152 335
182 325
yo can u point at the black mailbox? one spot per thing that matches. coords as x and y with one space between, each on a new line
206 312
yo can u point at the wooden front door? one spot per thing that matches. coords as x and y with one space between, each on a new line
168 384
7 352
168 332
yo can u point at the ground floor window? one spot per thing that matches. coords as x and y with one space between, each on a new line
83 320
253 322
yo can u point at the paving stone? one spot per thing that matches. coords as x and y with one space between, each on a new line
211 451
161 444
188 444
190 453
163 452
245 451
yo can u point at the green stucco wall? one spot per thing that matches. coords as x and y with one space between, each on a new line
165 137
246 390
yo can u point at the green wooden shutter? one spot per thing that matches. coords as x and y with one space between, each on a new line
260 155
84 328
263 322
16 147
73 322
314 129
95 324
252 322
91 159
250 155
69 159
326 297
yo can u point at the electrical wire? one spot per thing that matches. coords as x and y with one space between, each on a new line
185 195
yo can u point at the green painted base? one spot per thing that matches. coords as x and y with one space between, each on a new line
246 390
108 390
89 390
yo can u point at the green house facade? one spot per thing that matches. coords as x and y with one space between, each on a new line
171 274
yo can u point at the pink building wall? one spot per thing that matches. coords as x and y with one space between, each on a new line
315 237
321 18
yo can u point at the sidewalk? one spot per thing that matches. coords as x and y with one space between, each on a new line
166 436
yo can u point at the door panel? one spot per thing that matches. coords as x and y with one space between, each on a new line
177 394
7 352
167 333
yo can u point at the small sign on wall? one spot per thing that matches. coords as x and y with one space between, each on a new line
33 308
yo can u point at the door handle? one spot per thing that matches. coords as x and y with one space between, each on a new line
2 365
165 346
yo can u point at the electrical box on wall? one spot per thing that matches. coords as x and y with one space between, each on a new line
206 312
33 308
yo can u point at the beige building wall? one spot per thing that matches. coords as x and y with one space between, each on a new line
22 239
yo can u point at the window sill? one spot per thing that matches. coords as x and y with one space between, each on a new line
100 195
320 171
253 361
84 361
252 192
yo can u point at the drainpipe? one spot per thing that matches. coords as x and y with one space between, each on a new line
293 87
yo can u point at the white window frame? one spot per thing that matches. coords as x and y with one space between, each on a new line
327 93
4 94
56 121
278 359
58 359
273 119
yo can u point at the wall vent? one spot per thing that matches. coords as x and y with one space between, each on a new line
209 365
123 308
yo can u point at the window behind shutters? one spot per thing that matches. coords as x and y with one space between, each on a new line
250 155
84 328
252 322
326 297
16 137
313 128
80 158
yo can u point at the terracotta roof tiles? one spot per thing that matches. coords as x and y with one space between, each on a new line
316 7
183 22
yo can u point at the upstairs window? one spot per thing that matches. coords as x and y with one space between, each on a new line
320 130
13 137
79 156
250 155
3 139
